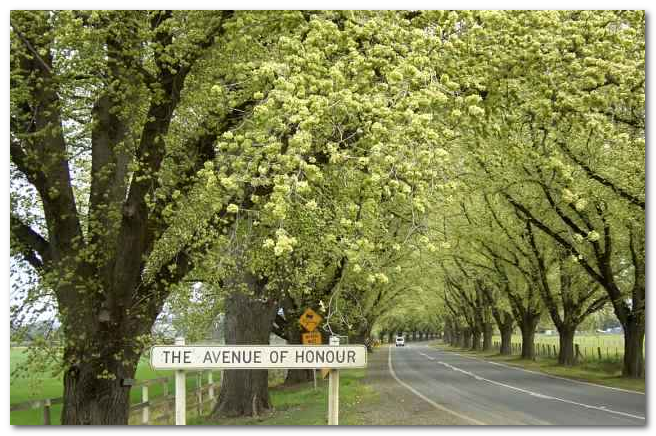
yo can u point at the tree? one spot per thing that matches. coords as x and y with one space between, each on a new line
337 150
118 89
563 141
578 298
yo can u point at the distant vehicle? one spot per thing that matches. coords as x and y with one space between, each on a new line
400 342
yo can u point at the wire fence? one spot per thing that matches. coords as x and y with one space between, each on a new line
582 353
157 400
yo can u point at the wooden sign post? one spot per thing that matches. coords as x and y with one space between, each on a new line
310 320
312 338
333 389
180 391
182 357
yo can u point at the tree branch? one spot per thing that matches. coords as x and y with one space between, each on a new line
603 180
32 243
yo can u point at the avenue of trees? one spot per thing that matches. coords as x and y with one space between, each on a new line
422 172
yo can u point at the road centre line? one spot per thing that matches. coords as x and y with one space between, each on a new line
428 400
545 374
539 395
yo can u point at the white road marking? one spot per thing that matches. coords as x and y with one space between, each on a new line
426 356
428 400
539 395
549 375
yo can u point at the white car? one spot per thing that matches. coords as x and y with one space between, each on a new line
400 342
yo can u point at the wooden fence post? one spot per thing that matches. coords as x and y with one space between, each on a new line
167 404
599 352
210 392
577 353
46 411
145 413
199 392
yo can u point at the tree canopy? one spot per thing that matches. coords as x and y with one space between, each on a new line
391 169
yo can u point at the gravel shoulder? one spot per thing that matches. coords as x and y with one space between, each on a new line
395 404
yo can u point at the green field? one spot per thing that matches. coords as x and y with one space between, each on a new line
298 405
44 385
612 345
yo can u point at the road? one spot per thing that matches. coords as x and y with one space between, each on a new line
482 392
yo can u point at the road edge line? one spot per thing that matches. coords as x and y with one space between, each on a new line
426 399
545 374
543 396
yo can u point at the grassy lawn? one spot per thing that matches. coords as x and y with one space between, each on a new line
603 372
302 405
45 385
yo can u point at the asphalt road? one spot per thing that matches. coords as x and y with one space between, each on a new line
490 393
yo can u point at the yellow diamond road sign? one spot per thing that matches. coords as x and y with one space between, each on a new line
310 319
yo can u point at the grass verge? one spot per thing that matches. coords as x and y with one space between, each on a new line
303 405
44 384
606 373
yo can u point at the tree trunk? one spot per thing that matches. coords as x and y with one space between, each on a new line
528 337
96 367
245 392
92 399
466 338
634 334
359 337
390 337
506 331
296 376
476 339
566 354
487 336
456 336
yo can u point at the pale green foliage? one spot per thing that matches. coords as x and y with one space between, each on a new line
339 159
351 149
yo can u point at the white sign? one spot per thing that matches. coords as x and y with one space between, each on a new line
257 356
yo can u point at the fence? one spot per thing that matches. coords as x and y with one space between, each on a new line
583 353
159 410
